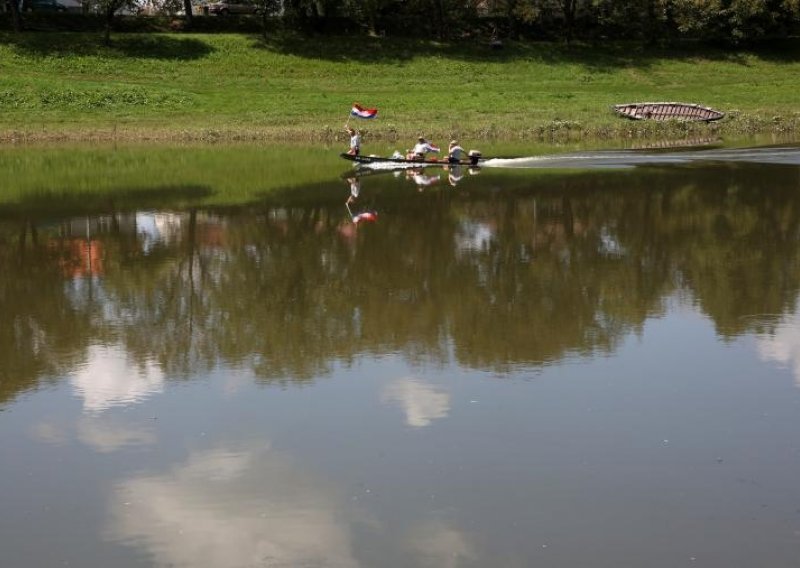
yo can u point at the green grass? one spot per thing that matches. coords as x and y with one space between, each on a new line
220 87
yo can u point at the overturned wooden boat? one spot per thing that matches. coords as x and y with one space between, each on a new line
668 111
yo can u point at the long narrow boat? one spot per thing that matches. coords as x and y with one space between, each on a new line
474 160
668 111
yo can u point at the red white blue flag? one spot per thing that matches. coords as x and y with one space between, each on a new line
362 112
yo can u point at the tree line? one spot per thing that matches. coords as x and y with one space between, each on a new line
652 20
725 21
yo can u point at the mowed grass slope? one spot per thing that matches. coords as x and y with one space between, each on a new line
175 86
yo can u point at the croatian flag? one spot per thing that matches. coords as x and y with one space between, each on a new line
362 112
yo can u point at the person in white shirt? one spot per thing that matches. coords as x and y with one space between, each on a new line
420 149
455 153
355 141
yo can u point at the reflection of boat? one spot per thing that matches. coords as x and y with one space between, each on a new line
668 111
421 178
475 159
455 172
363 172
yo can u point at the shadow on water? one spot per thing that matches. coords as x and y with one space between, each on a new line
142 46
56 203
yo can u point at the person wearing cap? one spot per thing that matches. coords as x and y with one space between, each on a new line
455 153
421 148
355 140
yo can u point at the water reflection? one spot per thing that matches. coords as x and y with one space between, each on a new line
436 543
110 378
423 177
455 174
102 433
497 275
422 403
50 433
107 435
155 228
243 506
634 298
782 345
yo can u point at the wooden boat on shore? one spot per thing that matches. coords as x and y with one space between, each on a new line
668 111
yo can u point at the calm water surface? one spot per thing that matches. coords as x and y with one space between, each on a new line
589 364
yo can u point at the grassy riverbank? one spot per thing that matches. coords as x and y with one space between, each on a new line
171 87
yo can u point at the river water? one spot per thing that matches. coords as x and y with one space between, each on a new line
586 359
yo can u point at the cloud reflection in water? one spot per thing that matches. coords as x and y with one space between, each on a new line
783 346
422 403
109 378
106 436
231 508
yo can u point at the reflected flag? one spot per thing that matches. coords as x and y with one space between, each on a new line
366 216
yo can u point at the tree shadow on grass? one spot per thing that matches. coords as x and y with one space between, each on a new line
141 46
777 51
599 57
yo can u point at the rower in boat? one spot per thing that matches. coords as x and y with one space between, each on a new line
421 148
455 153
